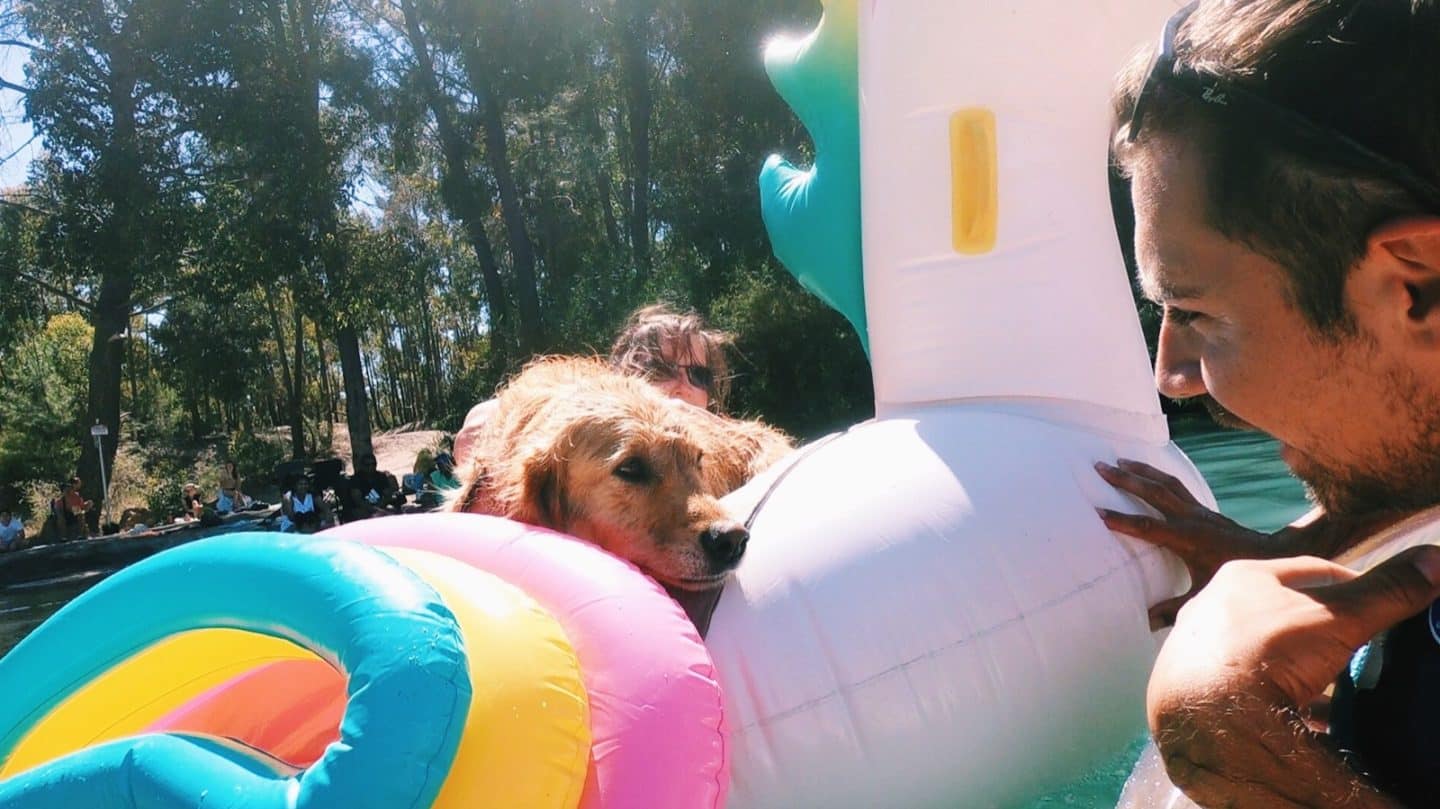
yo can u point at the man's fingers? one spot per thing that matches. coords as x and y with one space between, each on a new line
1388 594
1151 491
1165 479
1164 613
1154 530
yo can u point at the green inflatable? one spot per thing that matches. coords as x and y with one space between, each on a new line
813 216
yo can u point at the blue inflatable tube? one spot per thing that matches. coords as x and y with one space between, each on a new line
408 680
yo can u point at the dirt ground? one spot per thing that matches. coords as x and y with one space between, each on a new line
394 451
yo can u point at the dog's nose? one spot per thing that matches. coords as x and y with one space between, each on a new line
724 545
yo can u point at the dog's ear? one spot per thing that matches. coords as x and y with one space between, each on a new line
542 492
474 495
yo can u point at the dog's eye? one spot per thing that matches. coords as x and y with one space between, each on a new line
634 470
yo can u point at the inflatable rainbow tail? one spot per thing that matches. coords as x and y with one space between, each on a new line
442 660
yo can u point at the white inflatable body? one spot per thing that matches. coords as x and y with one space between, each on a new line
931 613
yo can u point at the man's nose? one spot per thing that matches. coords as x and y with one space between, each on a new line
1177 364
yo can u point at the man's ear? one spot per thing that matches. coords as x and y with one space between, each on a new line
542 494
1402 275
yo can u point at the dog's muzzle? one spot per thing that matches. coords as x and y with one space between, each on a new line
724 545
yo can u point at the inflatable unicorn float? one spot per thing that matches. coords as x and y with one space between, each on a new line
930 614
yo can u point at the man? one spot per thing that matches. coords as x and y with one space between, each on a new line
1284 159
12 531
370 491
71 512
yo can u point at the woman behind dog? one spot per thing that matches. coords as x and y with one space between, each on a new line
675 352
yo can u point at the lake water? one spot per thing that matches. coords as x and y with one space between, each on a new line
1244 470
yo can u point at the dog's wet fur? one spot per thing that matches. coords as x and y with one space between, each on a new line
577 447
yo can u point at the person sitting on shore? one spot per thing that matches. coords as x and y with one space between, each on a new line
231 499
69 510
191 506
301 511
443 477
418 481
135 522
370 491
12 531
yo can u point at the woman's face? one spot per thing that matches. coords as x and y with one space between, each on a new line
690 367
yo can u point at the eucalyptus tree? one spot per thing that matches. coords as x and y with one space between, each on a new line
98 96
278 92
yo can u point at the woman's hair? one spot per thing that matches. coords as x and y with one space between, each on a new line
639 349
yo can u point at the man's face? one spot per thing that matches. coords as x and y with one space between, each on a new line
1354 420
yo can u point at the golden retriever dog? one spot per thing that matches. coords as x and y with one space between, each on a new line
575 446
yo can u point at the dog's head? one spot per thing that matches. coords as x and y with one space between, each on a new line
626 474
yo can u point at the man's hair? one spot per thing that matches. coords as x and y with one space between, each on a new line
639 348
1368 69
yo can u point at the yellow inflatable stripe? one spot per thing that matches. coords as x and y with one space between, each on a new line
135 693
974 181
527 736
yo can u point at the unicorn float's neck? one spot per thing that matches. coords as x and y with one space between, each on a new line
992 270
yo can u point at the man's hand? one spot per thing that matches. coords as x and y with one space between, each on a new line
1202 538
1261 641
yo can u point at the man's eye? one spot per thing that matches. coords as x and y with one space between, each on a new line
634 470
1181 317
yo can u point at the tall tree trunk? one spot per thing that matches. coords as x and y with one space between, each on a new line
123 233
522 251
357 416
432 363
297 397
130 363
107 356
294 394
327 394
460 190
640 103
377 417
606 194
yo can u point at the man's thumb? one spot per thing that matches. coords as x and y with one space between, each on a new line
1391 592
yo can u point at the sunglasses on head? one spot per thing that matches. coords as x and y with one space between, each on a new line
698 375
1216 92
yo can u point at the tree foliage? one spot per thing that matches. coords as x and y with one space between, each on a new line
286 214
44 403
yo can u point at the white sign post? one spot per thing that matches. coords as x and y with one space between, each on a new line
99 431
